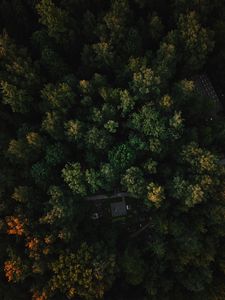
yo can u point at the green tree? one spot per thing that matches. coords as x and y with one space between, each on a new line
16 98
121 156
59 98
133 181
133 266
88 272
54 18
196 41
74 177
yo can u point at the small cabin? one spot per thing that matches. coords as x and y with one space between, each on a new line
113 206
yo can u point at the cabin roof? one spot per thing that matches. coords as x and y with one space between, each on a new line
118 209
116 195
204 86
222 162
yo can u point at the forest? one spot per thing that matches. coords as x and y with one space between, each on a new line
112 149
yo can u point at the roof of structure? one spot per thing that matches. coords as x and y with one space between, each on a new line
116 195
204 86
222 162
118 209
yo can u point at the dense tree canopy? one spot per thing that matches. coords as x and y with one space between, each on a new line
99 97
